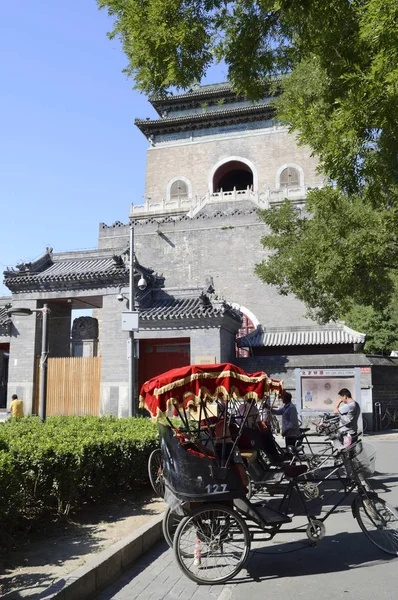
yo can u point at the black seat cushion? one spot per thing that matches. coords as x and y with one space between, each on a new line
294 470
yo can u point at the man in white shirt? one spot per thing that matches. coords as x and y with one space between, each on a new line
348 410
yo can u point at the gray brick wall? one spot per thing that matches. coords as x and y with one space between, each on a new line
23 349
268 150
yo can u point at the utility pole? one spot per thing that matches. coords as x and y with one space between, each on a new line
132 403
44 363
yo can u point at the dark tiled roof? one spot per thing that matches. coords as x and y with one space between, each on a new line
187 308
200 92
3 315
74 272
204 120
305 336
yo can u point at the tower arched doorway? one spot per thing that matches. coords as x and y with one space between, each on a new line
233 174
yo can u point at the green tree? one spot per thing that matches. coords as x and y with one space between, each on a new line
340 259
381 327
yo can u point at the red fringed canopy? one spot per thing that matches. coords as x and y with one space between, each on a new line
186 386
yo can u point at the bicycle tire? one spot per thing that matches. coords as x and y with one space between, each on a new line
385 421
378 521
155 472
224 541
170 524
365 425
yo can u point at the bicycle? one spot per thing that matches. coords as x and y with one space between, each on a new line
218 522
212 542
155 472
390 417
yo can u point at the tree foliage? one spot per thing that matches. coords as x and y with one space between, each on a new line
340 259
344 251
381 327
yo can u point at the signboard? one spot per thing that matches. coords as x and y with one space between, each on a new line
205 360
320 387
327 372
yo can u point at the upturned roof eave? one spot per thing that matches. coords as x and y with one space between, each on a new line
53 284
328 335
203 121
217 90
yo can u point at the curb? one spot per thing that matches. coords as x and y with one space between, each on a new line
106 566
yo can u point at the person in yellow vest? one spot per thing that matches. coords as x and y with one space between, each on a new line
16 406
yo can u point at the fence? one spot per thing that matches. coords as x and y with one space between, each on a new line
73 386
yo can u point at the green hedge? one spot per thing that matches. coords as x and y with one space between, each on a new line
54 466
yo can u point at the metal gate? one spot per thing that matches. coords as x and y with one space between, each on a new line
73 386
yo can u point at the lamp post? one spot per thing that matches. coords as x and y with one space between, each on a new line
132 406
130 321
25 312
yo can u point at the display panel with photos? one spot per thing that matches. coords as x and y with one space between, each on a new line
321 393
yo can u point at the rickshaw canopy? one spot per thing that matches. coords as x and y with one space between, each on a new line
188 386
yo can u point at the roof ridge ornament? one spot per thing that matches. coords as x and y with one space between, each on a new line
119 261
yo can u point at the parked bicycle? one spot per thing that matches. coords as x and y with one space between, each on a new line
155 472
389 417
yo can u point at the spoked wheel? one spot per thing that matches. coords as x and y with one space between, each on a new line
386 421
170 524
155 472
212 544
379 522
365 425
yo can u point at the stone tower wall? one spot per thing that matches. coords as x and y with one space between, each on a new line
267 150
223 242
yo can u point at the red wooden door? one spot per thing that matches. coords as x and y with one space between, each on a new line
158 356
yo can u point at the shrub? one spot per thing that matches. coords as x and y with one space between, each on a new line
64 462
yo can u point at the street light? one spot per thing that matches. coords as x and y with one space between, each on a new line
25 312
132 406
130 322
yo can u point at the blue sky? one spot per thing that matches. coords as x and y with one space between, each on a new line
70 155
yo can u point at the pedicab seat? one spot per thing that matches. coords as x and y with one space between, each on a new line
193 476
294 470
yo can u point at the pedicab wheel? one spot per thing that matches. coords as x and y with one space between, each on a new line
169 525
378 521
155 472
212 544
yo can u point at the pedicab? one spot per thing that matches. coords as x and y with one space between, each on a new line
206 483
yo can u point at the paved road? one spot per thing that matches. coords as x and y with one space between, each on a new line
345 565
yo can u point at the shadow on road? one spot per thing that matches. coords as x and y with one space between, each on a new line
336 553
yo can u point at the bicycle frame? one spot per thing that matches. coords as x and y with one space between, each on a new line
267 533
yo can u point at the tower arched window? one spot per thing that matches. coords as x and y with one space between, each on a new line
290 177
179 190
